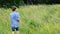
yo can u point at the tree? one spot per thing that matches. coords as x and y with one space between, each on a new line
9 3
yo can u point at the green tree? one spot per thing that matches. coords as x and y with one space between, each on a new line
9 3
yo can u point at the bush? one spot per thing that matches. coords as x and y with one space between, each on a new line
41 1
9 3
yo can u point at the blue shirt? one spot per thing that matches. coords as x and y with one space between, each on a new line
14 17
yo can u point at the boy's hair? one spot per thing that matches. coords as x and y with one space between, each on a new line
14 8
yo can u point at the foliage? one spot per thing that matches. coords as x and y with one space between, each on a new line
9 3
39 19
42 1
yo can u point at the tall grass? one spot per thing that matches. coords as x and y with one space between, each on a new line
40 19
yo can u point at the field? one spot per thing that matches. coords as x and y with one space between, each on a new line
34 19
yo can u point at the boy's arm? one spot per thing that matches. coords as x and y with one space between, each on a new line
18 17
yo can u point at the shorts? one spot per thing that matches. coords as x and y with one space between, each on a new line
15 28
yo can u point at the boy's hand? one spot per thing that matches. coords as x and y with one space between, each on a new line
17 20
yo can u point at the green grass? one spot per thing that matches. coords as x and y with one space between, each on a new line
35 19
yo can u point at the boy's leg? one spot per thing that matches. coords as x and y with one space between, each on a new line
17 30
13 29
13 32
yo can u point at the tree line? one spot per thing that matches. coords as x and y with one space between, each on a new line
8 3
41 1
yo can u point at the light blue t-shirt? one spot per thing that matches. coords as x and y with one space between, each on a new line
14 17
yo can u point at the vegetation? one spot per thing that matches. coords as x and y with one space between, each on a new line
9 3
40 19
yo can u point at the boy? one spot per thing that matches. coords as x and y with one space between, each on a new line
14 17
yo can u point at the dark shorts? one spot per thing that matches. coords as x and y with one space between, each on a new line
15 28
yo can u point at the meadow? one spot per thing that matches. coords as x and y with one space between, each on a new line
34 19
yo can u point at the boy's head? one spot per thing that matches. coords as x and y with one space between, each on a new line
14 8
